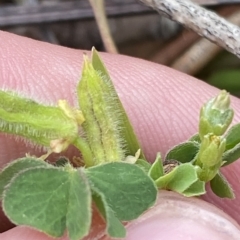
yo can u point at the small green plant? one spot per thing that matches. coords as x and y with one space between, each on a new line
112 172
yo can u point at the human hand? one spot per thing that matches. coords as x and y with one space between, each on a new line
163 106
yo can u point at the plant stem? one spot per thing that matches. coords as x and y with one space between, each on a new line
85 150
200 20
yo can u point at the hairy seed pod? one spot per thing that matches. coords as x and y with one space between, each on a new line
54 127
102 117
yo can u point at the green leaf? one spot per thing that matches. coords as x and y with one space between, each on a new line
50 199
195 138
78 217
127 189
196 189
221 187
182 178
16 167
127 132
231 155
54 127
184 152
114 228
143 164
233 136
156 171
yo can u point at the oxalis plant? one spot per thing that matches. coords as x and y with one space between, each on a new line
112 172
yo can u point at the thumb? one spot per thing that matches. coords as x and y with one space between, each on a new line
177 217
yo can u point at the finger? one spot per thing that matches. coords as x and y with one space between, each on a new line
159 101
156 99
162 104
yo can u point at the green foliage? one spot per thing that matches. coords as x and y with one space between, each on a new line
233 136
114 227
231 155
129 180
184 152
180 179
221 187
156 171
16 167
200 158
207 151
143 164
48 198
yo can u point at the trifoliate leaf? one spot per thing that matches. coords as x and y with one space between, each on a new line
180 179
16 167
114 227
221 187
126 130
50 199
126 188
184 152
156 171
233 136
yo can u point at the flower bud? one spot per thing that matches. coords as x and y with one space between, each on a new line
209 157
211 150
216 115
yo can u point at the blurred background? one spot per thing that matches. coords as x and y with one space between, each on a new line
128 27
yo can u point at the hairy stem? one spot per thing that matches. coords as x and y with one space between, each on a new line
85 150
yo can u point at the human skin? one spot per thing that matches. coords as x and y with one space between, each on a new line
163 106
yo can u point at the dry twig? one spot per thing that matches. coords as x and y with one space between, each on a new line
101 19
201 52
200 20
